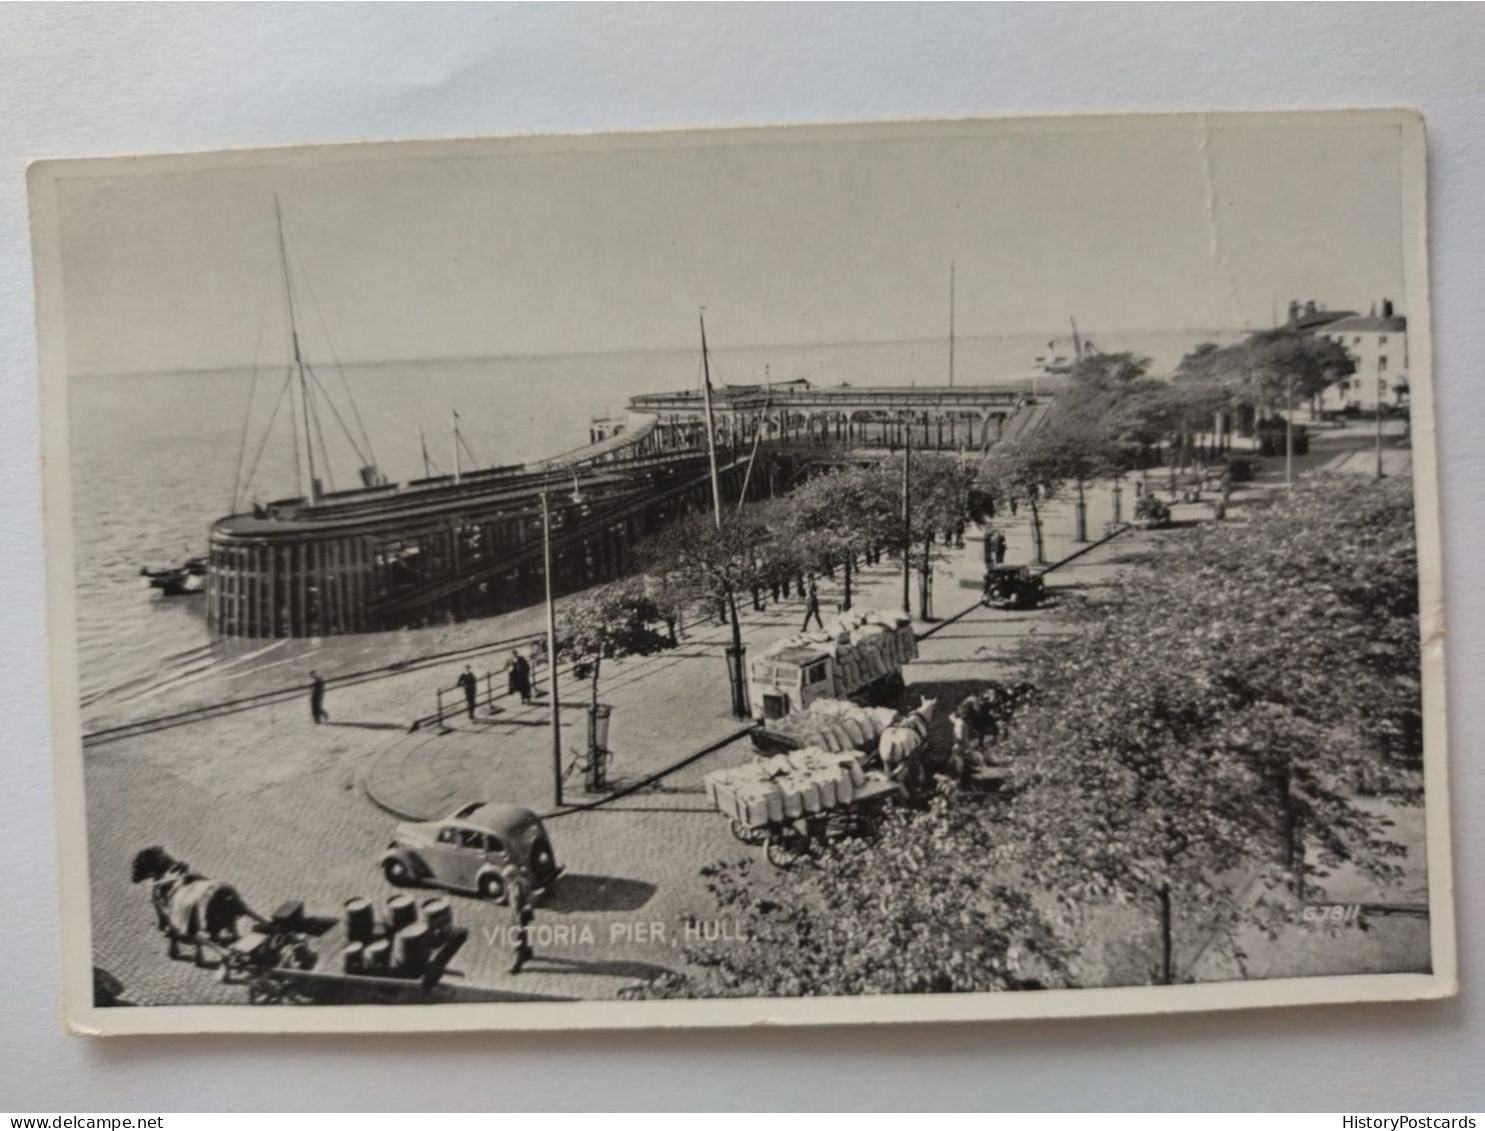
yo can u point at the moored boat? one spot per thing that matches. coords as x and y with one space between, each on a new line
183 580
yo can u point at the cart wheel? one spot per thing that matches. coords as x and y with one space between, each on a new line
265 991
746 833
786 847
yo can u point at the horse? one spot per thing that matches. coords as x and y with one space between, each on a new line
189 907
901 742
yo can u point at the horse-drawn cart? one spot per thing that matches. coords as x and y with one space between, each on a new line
798 800
795 803
282 977
288 957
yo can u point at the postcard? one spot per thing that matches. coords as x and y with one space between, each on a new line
917 571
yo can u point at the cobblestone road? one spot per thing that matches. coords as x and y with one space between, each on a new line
276 805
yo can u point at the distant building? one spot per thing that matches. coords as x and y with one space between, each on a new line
1310 318
1378 345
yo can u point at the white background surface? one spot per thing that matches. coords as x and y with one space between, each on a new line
78 81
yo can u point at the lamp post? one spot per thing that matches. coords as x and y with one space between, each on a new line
546 545
1381 393
907 523
1289 430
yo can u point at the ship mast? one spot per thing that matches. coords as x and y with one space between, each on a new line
1077 340
458 469
309 448
711 431
951 323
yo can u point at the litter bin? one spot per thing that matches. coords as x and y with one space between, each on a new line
737 676
598 716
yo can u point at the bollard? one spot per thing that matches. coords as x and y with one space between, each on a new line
360 920
410 947
376 957
439 916
401 911
355 958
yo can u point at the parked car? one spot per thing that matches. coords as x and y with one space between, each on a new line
1240 468
1151 512
1014 587
473 851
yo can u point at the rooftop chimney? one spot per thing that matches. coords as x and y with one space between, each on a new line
1386 308
1310 307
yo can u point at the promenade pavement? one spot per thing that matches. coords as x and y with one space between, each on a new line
282 808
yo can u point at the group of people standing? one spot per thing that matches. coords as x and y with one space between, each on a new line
518 683
995 547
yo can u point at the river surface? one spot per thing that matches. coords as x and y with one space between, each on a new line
156 458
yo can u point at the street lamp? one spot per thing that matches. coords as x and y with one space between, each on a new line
546 546
907 524
1381 393
1288 430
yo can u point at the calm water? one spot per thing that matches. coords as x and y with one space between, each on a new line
158 457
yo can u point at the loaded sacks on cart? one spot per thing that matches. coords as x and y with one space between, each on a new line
836 725
795 801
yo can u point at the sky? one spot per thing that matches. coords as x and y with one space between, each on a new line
484 249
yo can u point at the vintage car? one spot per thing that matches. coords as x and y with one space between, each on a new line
1151 512
1014 587
473 851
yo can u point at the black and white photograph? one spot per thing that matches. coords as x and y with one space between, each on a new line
803 574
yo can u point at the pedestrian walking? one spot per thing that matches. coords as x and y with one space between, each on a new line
518 899
1000 547
470 686
1015 505
518 676
317 698
812 606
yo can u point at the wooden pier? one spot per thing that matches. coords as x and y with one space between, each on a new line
395 556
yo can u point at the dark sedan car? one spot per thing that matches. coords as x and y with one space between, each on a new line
474 851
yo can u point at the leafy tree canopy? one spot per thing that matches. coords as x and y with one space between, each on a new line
1109 370
609 623
1185 730
1258 369
914 911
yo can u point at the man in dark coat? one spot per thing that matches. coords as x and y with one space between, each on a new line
518 898
470 685
317 698
519 679
812 606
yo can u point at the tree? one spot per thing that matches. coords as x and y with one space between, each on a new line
941 496
714 559
917 911
1026 468
1181 735
1108 371
1175 412
1081 441
609 623
1269 367
841 514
